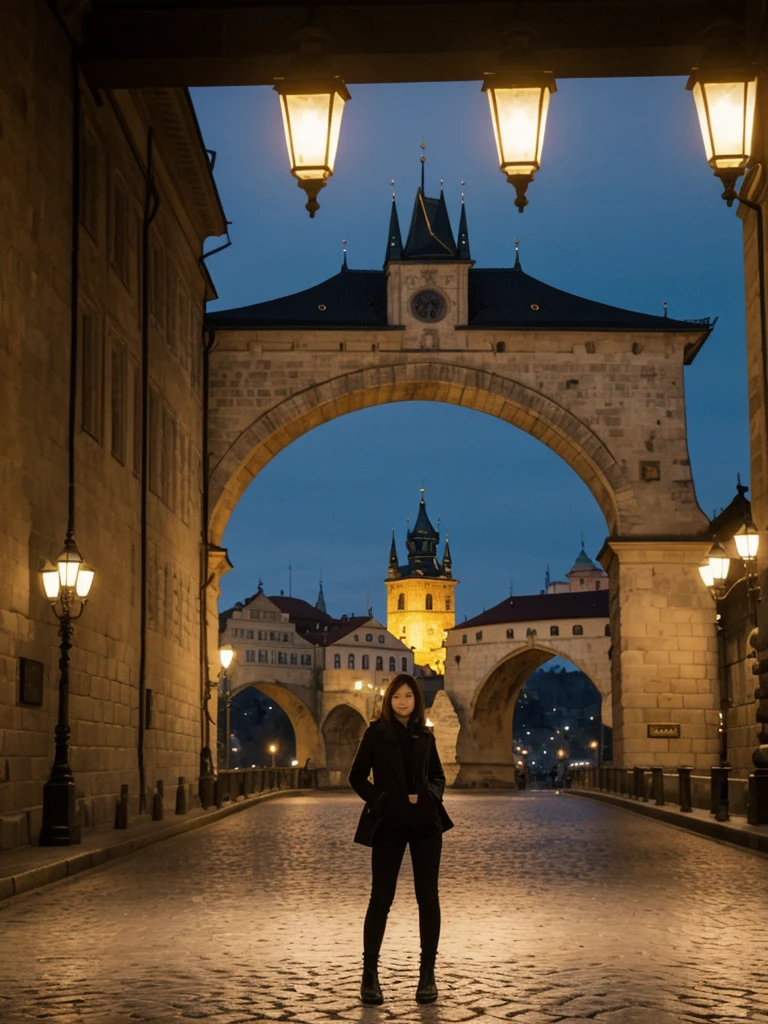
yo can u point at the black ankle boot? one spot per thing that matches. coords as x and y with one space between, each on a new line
427 989
370 989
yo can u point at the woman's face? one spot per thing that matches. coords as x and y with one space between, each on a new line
403 701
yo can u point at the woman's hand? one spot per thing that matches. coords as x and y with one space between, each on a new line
413 797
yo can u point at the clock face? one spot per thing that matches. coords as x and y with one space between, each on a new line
428 305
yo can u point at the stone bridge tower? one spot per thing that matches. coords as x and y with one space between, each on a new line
420 601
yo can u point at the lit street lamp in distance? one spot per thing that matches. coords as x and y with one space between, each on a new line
272 748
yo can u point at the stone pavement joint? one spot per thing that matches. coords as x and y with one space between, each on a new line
555 911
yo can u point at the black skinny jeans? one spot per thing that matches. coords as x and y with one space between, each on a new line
387 856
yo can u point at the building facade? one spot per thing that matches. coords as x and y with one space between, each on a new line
420 594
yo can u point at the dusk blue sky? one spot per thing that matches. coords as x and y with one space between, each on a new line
623 211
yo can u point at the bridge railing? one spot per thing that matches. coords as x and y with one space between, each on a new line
238 783
714 791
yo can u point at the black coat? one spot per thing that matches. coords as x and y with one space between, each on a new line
386 798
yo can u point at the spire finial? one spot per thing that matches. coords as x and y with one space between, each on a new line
344 262
441 185
518 265
463 183
582 540
422 160
392 186
664 306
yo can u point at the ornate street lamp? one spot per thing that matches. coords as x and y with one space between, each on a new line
716 567
312 102
66 585
518 95
226 657
724 88
273 751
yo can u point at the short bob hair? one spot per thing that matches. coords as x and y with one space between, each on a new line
418 715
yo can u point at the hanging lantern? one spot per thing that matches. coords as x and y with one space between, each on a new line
747 541
518 96
719 562
724 89
312 102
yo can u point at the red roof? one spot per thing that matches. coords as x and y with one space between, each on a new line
590 604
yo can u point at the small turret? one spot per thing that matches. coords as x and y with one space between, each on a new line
447 563
320 603
393 572
394 238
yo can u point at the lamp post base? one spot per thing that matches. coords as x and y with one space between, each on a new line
60 826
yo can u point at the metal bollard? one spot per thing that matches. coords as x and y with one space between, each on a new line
684 788
218 795
638 783
720 796
121 808
181 796
657 784
158 810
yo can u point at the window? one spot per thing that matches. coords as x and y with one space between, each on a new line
254 613
119 399
608 629
401 602
447 604
428 603
356 637
306 659
510 634
155 441
294 659
92 375
138 412
554 631
273 636
597 584
351 661
464 638
500 346
581 583
337 661
381 638
366 661
250 655
379 663
286 638
578 631
263 658
157 303
479 635
282 658
369 638
250 634
403 664
392 664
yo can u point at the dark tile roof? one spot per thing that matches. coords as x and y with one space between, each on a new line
430 236
350 299
301 612
543 608
512 298
342 629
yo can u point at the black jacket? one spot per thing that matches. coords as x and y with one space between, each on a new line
386 798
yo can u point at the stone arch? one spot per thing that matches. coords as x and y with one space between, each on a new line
300 714
484 740
481 390
342 730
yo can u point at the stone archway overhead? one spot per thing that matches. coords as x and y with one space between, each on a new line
599 385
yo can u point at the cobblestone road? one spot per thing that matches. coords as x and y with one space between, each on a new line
556 910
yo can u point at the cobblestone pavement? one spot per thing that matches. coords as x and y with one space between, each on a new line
556 910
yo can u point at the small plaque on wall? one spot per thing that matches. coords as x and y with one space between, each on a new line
663 731
31 682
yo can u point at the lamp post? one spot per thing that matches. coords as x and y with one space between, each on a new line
518 96
273 751
66 585
226 657
312 102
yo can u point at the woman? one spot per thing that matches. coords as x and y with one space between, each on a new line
404 807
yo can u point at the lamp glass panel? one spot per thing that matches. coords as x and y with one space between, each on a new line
226 654
519 118
337 109
706 574
747 542
84 581
51 583
306 119
719 565
68 564
726 112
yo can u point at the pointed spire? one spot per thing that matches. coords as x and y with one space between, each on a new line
463 232
422 160
320 603
394 238
344 261
447 563
518 265
394 566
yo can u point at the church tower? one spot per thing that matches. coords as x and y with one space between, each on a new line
420 599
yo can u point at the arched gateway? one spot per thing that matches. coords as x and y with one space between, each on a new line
602 387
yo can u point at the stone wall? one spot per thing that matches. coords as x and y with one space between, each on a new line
36 112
